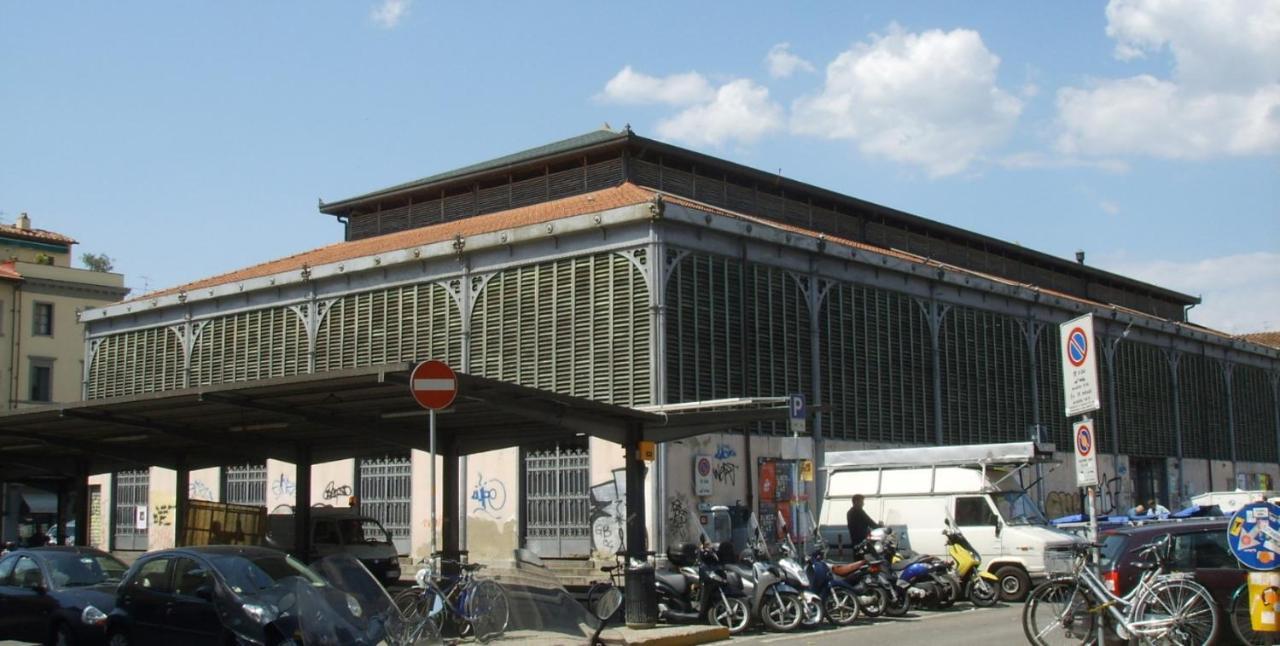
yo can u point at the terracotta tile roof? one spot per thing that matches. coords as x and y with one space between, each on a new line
38 235
610 198
9 271
1271 339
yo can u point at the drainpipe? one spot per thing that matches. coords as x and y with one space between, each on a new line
816 295
656 261
1175 357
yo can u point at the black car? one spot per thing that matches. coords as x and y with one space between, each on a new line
58 595
1199 546
214 595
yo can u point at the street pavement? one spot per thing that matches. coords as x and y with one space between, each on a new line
959 626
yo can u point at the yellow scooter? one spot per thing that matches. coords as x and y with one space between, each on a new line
979 585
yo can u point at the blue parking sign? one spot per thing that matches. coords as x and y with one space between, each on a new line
797 413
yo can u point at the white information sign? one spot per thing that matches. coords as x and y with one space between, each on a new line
140 517
797 416
1079 366
1086 454
702 475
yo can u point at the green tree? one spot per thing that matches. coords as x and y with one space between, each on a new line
97 261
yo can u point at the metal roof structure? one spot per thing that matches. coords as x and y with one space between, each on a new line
339 414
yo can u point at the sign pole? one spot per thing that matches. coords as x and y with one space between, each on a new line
432 476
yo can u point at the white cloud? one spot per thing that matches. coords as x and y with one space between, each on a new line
632 87
928 99
1024 160
389 13
741 111
1147 116
1222 44
1109 207
1223 97
782 63
1239 293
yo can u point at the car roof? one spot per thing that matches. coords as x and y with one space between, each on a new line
217 550
1170 527
56 549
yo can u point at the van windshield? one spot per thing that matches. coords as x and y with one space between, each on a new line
367 531
1017 508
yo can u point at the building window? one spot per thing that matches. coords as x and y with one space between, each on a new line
41 380
42 320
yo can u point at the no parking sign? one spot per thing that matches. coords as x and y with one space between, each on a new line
1086 454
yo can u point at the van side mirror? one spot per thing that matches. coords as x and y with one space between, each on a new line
999 527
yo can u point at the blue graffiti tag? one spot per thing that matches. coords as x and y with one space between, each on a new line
724 452
283 487
490 495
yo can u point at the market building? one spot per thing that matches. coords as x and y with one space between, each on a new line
625 270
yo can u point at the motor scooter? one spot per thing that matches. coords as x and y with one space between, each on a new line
695 586
980 586
930 577
777 603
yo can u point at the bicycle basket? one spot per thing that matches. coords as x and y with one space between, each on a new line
1059 562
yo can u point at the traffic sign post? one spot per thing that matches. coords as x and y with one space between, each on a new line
433 385
1254 538
1086 454
1079 366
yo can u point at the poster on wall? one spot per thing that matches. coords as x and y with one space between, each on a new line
784 490
701 475
140 517
768 481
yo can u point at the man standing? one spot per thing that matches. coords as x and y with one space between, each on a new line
860 524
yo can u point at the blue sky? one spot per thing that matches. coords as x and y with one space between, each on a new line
189 139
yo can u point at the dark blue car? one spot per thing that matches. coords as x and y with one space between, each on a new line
58 595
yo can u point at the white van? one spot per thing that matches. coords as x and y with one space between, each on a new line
340 531
976 486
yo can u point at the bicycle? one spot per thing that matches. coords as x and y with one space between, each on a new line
1242 623
1162 608
599 589
477 607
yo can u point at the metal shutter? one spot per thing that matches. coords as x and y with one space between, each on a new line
406 323
1202 395
986 393
249 346
1254 414
136 362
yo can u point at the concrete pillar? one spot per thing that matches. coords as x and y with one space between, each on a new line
636 529
302 504
181 493
80 511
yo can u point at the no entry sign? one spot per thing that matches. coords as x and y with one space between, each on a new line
433 384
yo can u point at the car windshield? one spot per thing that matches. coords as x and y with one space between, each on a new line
1112 548
250 574
363 530
74 569
1017 508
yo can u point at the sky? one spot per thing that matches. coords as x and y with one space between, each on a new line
188 139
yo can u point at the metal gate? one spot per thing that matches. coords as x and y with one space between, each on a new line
245 484
385 488
557 506
132 509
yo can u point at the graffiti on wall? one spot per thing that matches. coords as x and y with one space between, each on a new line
198 490
162 515
726 473
608 513
677 519
489 494
332 491
724 452
1061 503
283 486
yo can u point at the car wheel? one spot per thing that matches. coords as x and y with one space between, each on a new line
1013 582
118 639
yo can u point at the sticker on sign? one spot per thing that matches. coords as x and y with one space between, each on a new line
1086 454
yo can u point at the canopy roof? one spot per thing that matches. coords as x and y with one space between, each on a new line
338 414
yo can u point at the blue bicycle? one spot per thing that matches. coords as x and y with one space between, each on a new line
459 604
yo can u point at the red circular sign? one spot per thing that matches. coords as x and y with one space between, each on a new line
1077 347
433 384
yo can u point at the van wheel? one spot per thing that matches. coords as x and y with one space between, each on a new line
1014 583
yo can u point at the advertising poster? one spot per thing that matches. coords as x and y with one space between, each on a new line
768 481
782 473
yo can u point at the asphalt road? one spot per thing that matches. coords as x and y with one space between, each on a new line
963 624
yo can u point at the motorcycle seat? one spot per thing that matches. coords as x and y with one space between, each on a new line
675 580
744 571
845 569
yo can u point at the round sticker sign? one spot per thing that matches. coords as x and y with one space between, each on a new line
1084 441
704 467
1254 536
1077 347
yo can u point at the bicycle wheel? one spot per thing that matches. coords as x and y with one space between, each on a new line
1242 623
417 607
487 610
1176 612
1057 612
594 593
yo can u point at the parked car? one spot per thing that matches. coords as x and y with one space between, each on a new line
58 595
1199 546
341 531
221 594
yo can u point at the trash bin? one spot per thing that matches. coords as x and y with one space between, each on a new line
641 596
